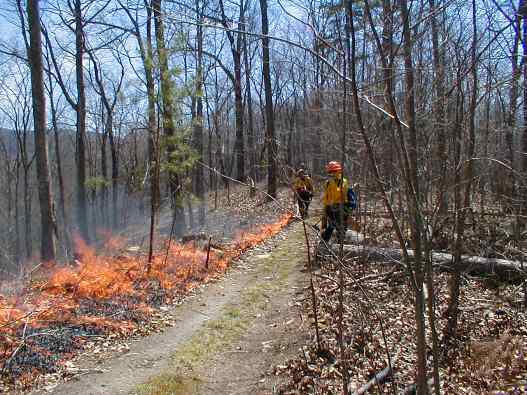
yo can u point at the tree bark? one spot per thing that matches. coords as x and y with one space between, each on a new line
147 56
239 149
153 131
115 177
523 10
47 223
199 173
250 127
439 106
27 213
269 113
60 176
414 200
513 102
455 280
82 209
18 238
168 115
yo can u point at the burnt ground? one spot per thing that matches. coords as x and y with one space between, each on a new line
225 337
250 309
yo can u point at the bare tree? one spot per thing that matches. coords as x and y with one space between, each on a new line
465 206
168 113
269 110
18 111
109 103
47 222
78 105
235 42
199 174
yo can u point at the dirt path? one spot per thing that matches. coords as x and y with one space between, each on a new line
226 338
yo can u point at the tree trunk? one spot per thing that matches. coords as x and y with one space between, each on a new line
82 209
431 304
190 213
414 201
439 107
484 176
199 173
104 173
455 280
239 150
11 201
47 223
27 213
153 131
60 176
250 127
168 115
523 194
513 102
18 236
115 174
269 113
317 165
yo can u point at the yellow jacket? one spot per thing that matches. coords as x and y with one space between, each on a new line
335 191
304 183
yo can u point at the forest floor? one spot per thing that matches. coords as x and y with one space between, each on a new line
220 336
226 336
251 330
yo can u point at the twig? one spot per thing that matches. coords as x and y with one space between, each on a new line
208 254
311 286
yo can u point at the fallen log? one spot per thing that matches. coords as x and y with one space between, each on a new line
378 379
504 269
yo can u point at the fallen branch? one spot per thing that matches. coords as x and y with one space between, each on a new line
502 268
378 379
208 254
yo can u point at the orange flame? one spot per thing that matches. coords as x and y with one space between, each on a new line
103 277
66 293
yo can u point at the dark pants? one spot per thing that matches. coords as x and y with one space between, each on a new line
304 199
335 221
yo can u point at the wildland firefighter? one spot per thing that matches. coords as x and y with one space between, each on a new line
338 201
303 187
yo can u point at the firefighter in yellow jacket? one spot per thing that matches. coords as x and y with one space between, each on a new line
303 187
335 202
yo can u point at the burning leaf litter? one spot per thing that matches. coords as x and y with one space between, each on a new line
100 300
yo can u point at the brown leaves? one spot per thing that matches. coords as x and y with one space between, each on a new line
494 359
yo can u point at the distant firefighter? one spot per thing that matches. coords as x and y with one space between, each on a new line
303 187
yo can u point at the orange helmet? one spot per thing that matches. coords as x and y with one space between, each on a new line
334 167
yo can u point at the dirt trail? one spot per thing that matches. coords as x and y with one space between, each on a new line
226 338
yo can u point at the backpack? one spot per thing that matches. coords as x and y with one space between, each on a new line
352 199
